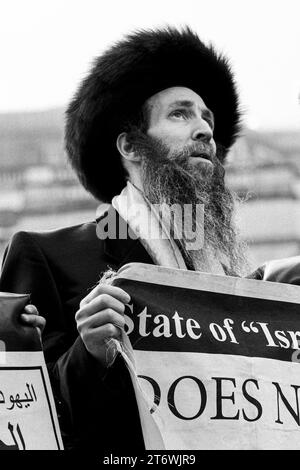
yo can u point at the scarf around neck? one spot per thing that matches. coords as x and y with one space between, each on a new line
148 226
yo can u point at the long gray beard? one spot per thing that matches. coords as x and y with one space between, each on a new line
171 179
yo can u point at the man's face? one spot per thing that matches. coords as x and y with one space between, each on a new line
180 120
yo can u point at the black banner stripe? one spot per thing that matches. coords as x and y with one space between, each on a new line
167 318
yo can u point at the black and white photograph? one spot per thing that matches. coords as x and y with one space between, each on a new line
149 228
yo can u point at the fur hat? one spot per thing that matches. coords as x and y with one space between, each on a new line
119 83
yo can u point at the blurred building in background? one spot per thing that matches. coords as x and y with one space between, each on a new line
264 169
39 191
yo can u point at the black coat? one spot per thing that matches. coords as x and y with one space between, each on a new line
97 408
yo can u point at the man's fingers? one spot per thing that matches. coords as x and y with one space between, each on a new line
107 316
114 291
100 303
101 318
31 317
34 320
31 309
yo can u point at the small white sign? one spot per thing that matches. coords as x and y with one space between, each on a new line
28 419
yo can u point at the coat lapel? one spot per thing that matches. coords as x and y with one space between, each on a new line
120 245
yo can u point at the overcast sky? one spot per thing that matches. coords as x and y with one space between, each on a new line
47 46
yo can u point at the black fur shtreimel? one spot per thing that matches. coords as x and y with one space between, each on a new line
122 79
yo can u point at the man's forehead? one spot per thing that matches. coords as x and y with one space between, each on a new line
175 96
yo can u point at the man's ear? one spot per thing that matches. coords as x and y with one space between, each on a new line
126 148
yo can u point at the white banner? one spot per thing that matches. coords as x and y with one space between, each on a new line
216 359
28 419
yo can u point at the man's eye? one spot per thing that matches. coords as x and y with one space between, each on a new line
179 113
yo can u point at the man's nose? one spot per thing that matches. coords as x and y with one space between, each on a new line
202 131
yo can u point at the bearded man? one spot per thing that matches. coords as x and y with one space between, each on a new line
150 125
190 177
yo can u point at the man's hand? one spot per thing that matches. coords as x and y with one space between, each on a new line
101 318
31 317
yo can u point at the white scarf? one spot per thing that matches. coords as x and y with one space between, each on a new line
149 226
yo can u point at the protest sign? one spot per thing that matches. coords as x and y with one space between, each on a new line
28 419
216 356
